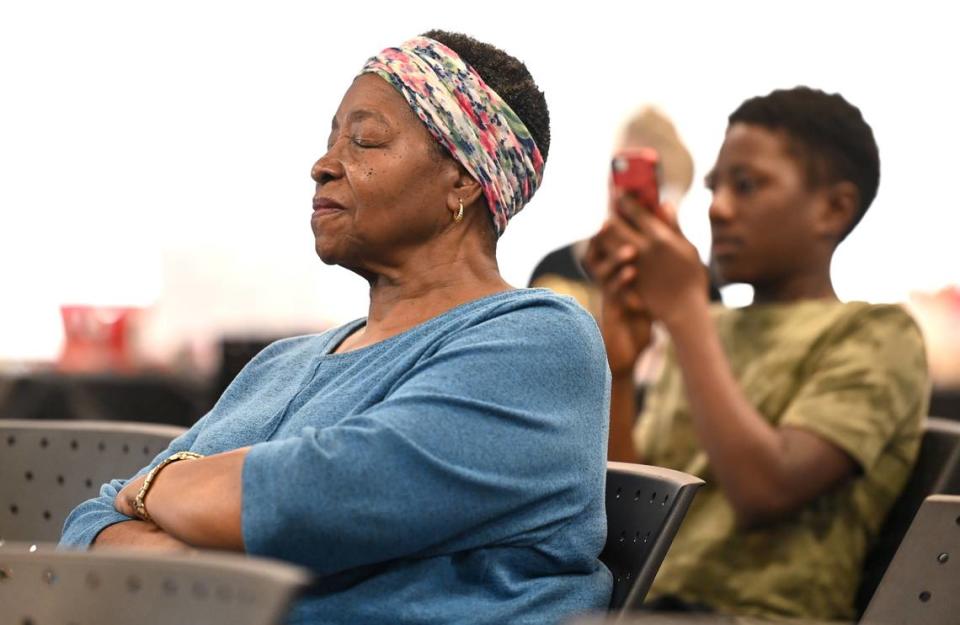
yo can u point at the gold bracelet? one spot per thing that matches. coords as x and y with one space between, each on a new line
139 504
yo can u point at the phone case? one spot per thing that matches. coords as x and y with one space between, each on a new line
635 170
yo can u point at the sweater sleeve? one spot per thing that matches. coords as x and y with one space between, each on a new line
94 515
498 437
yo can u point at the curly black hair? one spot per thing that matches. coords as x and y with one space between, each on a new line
827 131
509 77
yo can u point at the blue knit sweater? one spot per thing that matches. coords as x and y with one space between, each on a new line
453 473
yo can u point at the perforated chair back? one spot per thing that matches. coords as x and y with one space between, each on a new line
937 472
645 506
109 587
47 468
922 583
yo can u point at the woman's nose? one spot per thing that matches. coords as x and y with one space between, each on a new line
326 169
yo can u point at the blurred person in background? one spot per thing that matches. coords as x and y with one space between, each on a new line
801 412
442 460
562 270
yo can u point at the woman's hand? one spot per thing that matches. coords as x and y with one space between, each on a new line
197 501
123 502
139 535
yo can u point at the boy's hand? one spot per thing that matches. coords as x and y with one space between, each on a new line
668 275
624 320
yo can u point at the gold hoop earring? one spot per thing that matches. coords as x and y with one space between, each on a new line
459 216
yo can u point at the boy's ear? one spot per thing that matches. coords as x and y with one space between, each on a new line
840 209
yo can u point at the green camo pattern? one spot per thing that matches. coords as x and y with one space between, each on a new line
855 374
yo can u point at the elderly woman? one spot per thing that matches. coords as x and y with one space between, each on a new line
442 460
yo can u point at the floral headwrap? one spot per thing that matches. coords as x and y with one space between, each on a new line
466 116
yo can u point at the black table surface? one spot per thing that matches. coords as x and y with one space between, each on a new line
145 397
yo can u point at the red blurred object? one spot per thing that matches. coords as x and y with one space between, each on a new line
98 338
636 170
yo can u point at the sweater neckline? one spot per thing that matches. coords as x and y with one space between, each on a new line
344 331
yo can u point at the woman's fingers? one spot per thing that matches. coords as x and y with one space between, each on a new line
123 502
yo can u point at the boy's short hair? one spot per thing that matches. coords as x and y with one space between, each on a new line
828 133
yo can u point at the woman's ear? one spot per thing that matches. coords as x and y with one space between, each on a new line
465 189
840 209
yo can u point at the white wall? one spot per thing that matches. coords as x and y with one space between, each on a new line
159 154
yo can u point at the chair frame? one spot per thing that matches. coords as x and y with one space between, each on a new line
116 586
633 555
941 477
922 583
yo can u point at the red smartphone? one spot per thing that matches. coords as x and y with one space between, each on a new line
635 170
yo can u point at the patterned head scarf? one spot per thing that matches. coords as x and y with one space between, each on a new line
467 117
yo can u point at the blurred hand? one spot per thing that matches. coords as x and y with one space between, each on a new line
624 320
655 263
626 335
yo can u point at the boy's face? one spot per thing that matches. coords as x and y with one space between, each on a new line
763 210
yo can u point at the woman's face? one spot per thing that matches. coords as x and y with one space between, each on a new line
382 187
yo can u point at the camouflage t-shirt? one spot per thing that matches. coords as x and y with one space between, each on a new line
854 374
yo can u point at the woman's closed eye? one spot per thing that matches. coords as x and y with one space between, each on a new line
360 140
365 142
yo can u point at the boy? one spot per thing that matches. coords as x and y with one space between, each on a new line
801 412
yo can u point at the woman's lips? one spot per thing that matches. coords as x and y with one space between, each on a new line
325 206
